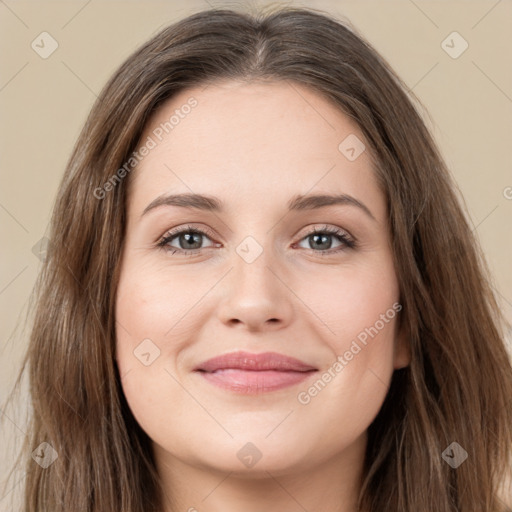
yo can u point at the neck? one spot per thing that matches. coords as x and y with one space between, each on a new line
331 485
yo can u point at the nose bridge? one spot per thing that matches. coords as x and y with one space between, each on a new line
253 260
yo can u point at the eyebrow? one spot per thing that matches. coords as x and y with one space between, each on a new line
297 203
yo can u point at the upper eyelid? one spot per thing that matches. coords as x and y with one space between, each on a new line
208 231
185 229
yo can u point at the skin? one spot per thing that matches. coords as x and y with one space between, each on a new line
255 146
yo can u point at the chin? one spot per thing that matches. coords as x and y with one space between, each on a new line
276 466
257 459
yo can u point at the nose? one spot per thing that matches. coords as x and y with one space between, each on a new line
256 296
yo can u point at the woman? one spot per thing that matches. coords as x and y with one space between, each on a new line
328 342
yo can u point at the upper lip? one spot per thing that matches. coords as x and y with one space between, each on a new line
254 362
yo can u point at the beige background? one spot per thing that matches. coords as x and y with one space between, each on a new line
43 104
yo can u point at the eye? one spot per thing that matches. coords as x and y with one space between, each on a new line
188 240
321 240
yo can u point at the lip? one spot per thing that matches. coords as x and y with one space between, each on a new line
248 373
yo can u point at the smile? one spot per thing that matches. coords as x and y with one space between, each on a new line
248 373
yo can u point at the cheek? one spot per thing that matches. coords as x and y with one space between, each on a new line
356 304
148 305
154 311
144 314
359 312
350 391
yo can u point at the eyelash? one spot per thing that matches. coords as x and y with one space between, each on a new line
348 243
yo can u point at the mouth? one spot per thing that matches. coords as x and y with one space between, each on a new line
247 373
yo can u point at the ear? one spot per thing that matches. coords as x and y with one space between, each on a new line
402 352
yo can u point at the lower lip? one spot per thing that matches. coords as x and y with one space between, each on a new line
255 382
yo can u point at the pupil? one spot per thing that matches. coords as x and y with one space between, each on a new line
189 239
322 237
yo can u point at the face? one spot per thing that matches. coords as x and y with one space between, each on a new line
257 329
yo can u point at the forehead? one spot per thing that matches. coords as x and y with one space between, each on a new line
259 141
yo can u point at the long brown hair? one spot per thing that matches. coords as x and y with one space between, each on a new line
458 387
